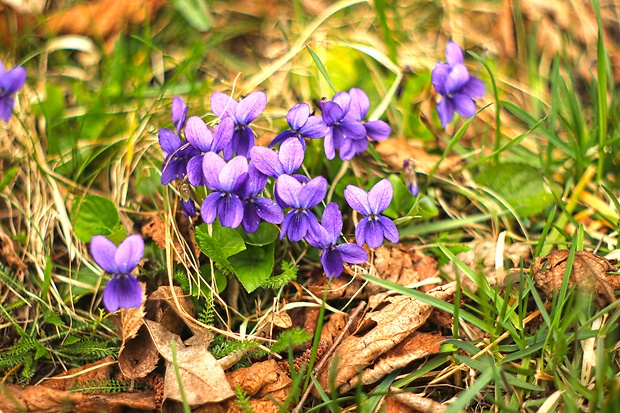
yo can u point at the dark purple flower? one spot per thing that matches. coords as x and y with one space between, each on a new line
302 126
123 290
325 237
377 130
179 113
177 156
452 81
225 180
189 208
199 135
341 126
242 113
302 198
10 83
257 208
373 227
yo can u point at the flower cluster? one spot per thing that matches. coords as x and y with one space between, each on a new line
451 80
11 82
236 172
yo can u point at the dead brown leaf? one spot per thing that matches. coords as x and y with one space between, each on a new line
10 257
103 18
101 369
419 404
202 376
395 150
381 330
589 274
42 399
138 356
415 347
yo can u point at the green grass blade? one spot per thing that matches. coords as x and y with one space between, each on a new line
319 64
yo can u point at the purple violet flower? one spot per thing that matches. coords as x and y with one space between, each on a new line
123 290
177 156
411 177
242 113
10 83
225 180
257 208
341 127
189 208
452 81
302 126
199 135
302 198
326 236
373 227
287 161
179 113
377 130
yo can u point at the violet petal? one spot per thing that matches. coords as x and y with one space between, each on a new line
357 199
129 253
103 251
122 291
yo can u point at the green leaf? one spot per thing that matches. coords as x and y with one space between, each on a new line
427 208
403 200
289 273
8 177
253 266
222 244
94 215
522 186
266 234
195 12
321 67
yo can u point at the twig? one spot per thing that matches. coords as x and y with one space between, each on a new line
331 350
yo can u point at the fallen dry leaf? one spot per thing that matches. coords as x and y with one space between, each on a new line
415 347
99 370
204 380
394 151
103 18
381 331
589 274
138 356
41 399
10 257
419 404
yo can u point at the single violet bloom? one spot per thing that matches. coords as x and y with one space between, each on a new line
189 208
179 113
123 290
341 126
411 177
287 161
225 180
10 83
377 130
452 81
302 198
257 208
302 126
199 135
242 113
373 227
177 154
326 236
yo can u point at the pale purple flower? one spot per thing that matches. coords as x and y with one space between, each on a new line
242 113
200 136
411 177
302 126
177 154
373 227
377 130
179 113
452 81
123 290
256 208
225 180
10 83
301 198
287 161
341 127
325 237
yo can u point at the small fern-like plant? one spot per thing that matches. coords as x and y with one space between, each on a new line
103 386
